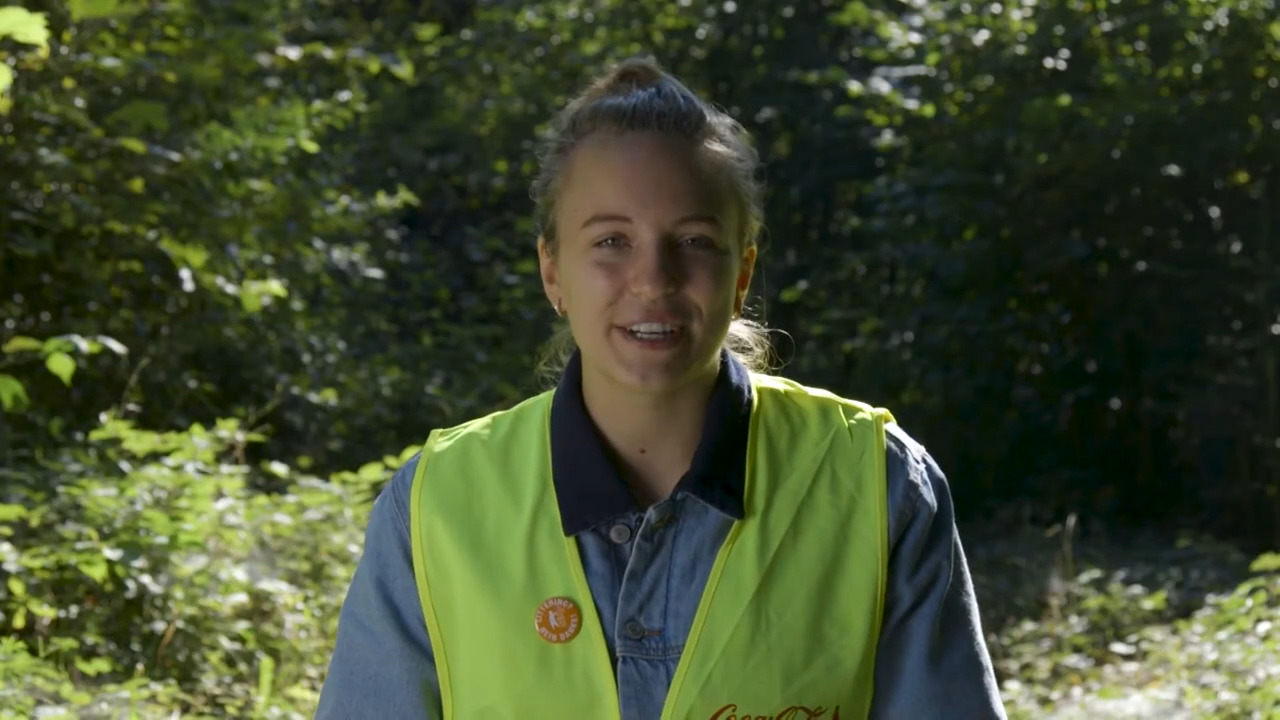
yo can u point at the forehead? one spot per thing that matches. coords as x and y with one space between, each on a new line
642 175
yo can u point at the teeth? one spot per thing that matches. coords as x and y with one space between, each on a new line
651 328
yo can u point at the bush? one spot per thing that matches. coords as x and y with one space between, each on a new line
143 570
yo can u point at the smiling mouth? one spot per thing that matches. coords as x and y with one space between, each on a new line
653 331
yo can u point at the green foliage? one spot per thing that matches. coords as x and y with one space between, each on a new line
57 353
1148 628
142 569
1051 219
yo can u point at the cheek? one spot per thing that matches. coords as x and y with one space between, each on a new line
596 282
717 280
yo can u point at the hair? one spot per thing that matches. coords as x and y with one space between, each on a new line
637 95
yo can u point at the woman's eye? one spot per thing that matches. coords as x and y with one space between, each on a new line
698 241
613 241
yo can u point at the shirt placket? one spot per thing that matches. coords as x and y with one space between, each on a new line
646 652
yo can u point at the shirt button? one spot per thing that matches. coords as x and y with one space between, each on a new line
620 533
635 630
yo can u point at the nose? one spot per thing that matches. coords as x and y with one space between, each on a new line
655 271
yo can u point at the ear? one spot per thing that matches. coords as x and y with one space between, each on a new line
745 271
549 271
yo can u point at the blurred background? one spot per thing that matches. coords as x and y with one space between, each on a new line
252 252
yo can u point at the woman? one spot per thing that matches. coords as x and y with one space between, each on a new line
667 533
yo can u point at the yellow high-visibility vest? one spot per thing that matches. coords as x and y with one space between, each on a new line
787 624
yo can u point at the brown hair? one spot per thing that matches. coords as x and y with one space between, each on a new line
637 95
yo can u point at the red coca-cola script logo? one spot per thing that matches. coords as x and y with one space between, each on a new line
794 712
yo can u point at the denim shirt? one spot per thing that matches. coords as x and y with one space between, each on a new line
647 568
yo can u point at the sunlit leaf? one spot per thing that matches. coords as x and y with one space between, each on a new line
59 343
62 365
21 343
1266 562
371 471
13 396
100 9
94 667
133 145
24 26
6 78
95 568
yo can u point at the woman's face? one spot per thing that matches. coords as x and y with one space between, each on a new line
648 266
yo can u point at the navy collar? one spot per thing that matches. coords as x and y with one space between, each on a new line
590 488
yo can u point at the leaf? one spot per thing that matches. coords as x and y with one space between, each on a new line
426 32
99 9
191 255
308 145
60 343
133 144
94 667
266 679
95 568
139 115
16 587
9 513
253 293
62 365
407 454
790 294
1266 562
24 26
6 78
21 343
371 472
12 395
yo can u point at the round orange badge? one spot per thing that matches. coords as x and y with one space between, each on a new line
558 620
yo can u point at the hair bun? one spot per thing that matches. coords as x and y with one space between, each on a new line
631 75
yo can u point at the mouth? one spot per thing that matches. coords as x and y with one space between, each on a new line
654 335
653 330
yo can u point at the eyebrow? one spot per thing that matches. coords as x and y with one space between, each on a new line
606 218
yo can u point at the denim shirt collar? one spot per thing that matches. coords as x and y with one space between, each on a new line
589 484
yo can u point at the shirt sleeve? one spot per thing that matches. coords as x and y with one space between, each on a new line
382 665
931 659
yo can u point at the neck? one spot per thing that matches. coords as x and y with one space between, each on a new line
655 435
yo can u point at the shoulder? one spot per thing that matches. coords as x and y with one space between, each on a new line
917 485
785 391
392 504
915 482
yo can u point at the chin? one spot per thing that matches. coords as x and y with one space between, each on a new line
660 370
